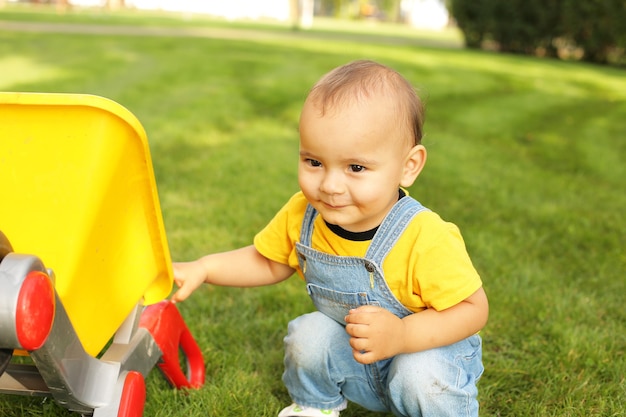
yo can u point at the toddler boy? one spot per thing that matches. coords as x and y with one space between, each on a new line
399 304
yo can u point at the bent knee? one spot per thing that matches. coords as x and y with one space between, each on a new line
309 337
444 377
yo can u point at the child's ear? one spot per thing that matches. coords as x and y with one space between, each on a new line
413 165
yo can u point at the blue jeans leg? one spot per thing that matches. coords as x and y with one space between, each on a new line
437 382
318 362
321 372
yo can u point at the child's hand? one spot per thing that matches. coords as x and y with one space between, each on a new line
188 276
376 334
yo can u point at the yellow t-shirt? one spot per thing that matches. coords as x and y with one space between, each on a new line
427 268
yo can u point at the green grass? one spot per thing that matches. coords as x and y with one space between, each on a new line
525 155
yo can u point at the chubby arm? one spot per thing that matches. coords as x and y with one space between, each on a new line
244 267
378 334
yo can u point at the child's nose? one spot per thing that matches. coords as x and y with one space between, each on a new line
331 183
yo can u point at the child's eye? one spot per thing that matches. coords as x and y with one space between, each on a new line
313 162
357 168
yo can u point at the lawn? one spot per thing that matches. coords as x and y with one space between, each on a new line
525 155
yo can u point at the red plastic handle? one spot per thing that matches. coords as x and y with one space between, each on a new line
167 327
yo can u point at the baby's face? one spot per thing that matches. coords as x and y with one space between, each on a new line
352 161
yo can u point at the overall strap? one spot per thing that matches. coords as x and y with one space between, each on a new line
392 228
307 225
387 234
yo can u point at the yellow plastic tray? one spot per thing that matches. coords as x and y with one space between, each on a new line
77 189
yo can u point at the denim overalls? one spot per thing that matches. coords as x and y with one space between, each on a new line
320 370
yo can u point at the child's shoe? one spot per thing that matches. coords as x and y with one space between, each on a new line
295 410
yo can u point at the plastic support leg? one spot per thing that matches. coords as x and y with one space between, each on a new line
133 396
128 398
167 327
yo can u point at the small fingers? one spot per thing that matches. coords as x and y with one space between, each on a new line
363 357
363 314
358 345
356 330
180 295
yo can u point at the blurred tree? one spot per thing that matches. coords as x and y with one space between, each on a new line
539 27
473 18
526 26
598 26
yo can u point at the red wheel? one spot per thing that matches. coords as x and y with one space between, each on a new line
133 396
35 310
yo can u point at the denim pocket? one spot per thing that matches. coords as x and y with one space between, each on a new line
471 359
337 304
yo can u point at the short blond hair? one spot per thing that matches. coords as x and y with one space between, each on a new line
361 79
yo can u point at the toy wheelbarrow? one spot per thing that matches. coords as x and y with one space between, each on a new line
84 262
